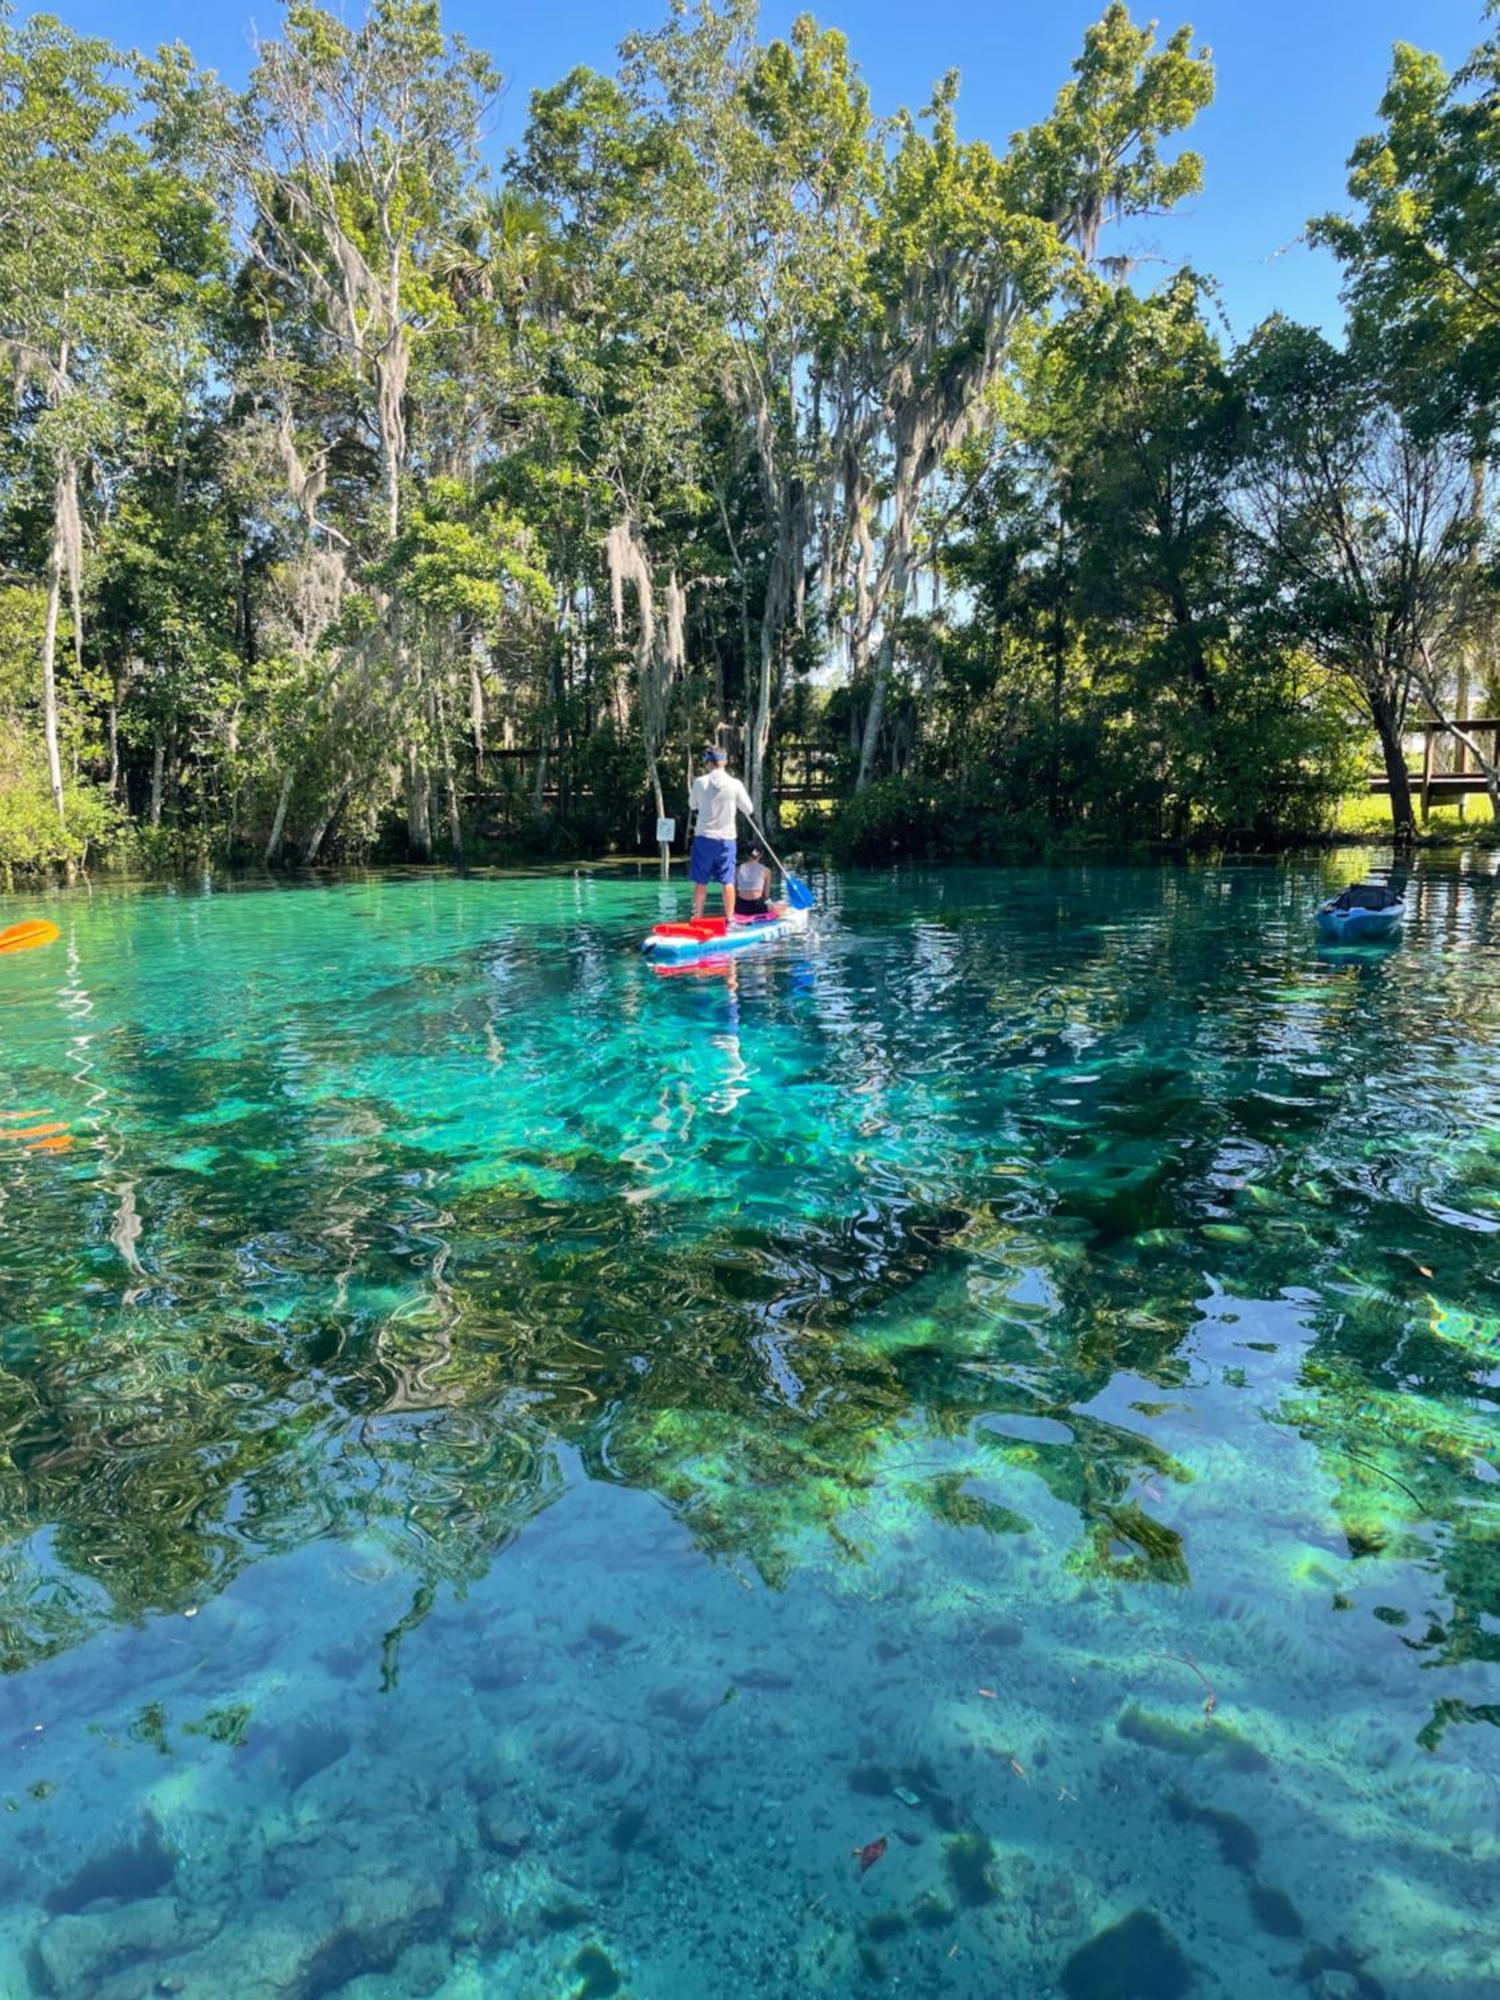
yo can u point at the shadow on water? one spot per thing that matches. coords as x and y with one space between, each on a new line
1017 1370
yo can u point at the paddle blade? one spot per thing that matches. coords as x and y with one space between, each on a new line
27 936
798 894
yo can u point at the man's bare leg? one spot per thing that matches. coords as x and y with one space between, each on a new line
699 892
729 901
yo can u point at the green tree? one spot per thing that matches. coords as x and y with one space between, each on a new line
1421 256
1364 525
100 255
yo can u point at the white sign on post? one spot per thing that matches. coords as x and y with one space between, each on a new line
666 831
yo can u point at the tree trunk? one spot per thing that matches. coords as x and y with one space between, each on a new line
561 735
55 565
320 832
884 660
278 824
112 720
418 805
158 766
476 718
1403 818
1059 679
450 785
653 772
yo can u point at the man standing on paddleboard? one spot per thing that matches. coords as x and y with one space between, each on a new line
716 798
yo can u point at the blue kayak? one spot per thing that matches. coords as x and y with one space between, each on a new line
1364 915
711 937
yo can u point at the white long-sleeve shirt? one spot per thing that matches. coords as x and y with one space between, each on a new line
716 797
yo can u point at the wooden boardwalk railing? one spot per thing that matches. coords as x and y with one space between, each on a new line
1429 782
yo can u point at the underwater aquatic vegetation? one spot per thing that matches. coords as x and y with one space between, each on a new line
600 1977
968 1857
869 1854
1239 1843
1134 1958
223 1725
1159 1732
1275 1911
1149 1549
885 1925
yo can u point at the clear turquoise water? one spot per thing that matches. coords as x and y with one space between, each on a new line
514 1466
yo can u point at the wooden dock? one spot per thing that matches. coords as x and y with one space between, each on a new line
1434 785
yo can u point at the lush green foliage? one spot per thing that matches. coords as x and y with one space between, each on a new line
351 503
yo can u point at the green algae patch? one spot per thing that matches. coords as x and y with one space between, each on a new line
1275 1911
599 1976
1127 1542
150 1728
222 1725
931 1913
885 1925
1239 1843
871 1964
1135 1959
1208 1738
950 1498
969 1859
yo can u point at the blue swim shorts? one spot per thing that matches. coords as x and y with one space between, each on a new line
711 860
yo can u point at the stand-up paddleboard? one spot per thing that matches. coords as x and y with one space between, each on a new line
711 937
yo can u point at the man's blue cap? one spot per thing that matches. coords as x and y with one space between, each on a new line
714 755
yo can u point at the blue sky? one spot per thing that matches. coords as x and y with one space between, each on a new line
1298 82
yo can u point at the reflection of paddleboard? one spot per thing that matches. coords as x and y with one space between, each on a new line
711 937
27 936
20 1128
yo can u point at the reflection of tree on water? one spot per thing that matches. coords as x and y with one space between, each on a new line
1049 1160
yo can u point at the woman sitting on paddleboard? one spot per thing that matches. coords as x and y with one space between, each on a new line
752 888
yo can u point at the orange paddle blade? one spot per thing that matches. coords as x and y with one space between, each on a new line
51 1145
27 936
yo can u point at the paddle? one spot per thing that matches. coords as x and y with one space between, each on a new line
27 936
797 892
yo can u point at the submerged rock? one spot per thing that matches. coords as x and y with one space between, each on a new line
592 1749
688 1704
1135 1959
89 1954
503 1830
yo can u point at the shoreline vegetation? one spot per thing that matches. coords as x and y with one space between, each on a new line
1445 835
363 499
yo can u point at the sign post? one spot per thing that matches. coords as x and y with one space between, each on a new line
666 833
